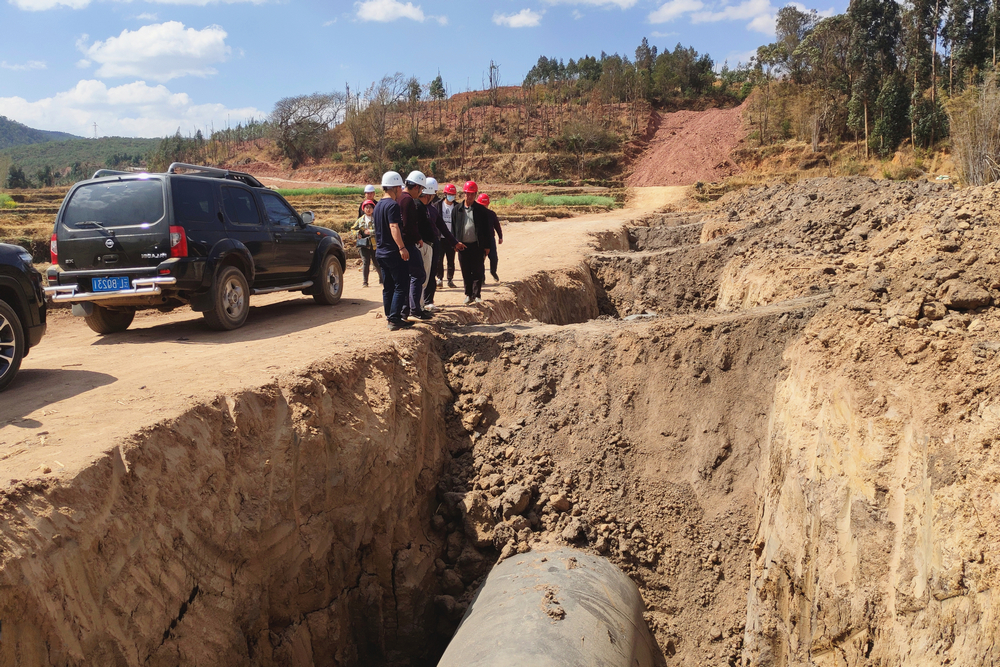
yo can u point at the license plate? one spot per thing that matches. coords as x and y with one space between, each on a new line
110 284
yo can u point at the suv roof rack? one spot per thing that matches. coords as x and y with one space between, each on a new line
109 172
214 172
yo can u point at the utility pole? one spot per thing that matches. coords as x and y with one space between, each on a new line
95 130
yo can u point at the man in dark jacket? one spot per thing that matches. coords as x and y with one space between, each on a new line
473 228
442 237
415 227
484 199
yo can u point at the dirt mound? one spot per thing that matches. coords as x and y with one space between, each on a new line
690 146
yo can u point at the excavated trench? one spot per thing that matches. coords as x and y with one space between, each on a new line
348 517
636 407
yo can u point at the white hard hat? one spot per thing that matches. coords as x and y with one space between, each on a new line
391 179
369 188
432 186
417 178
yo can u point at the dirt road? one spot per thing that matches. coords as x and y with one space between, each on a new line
79 393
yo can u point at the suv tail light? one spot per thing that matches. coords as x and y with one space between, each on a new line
54 249
178 242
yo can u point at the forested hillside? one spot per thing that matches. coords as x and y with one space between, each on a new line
13 133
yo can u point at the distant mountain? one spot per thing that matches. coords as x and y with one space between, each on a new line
13 133
86 154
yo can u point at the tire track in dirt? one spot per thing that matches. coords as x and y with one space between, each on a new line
690 146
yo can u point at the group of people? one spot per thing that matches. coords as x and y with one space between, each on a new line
408 235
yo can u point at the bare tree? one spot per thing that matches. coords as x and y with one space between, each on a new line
381 100
301 124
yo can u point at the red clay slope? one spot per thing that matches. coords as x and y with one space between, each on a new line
690 146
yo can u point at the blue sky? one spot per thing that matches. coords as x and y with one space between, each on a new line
146 68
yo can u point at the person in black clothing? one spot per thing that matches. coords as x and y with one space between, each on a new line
415 228
446 207
484 199
391 251
472 227
442 238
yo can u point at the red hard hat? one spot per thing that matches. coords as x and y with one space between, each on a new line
470 187
367 202
483 199
450 189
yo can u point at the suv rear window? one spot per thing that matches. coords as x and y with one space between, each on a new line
194 201
116 204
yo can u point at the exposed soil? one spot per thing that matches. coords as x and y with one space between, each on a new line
690 146
778 415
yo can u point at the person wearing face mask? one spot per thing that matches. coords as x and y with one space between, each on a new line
441 237
446 207
365 229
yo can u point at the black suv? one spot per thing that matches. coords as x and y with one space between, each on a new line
193 235
22 309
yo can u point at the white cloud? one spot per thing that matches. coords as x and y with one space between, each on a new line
522 19
577 15
147 17
134 110
660 35
384 11
327 24
624 4
761 15
673 9
19 67
41 5
161 52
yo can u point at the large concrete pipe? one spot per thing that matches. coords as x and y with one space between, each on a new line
562 608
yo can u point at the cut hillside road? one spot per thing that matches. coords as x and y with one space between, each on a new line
79 394
690 146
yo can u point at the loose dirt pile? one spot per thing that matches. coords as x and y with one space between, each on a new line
690 146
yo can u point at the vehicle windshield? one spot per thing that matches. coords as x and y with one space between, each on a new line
115 204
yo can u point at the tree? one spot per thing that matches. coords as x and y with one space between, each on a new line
436 88
300 124
45 177
875 30
16 180
792 26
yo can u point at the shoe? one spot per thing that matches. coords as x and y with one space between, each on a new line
479 299
451 283
421 316
468 299
495 277
430 306
396 326
364 284
439 282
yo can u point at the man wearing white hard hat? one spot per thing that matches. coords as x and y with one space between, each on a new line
391 252
414 229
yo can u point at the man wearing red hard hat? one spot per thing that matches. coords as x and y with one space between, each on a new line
472 227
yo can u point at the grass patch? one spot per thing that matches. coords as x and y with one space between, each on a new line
286 192
6 201
538 199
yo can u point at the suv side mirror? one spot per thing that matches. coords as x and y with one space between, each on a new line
308 217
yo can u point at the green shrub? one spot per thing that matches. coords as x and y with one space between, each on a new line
538 199
6 201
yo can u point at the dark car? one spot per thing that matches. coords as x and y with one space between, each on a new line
22 309
198 236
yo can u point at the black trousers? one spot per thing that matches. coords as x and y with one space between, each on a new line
449 254
473 263
493 262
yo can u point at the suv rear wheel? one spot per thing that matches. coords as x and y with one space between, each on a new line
106 321
331 281
11 344
230 301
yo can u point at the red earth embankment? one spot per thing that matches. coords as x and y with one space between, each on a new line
690 146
